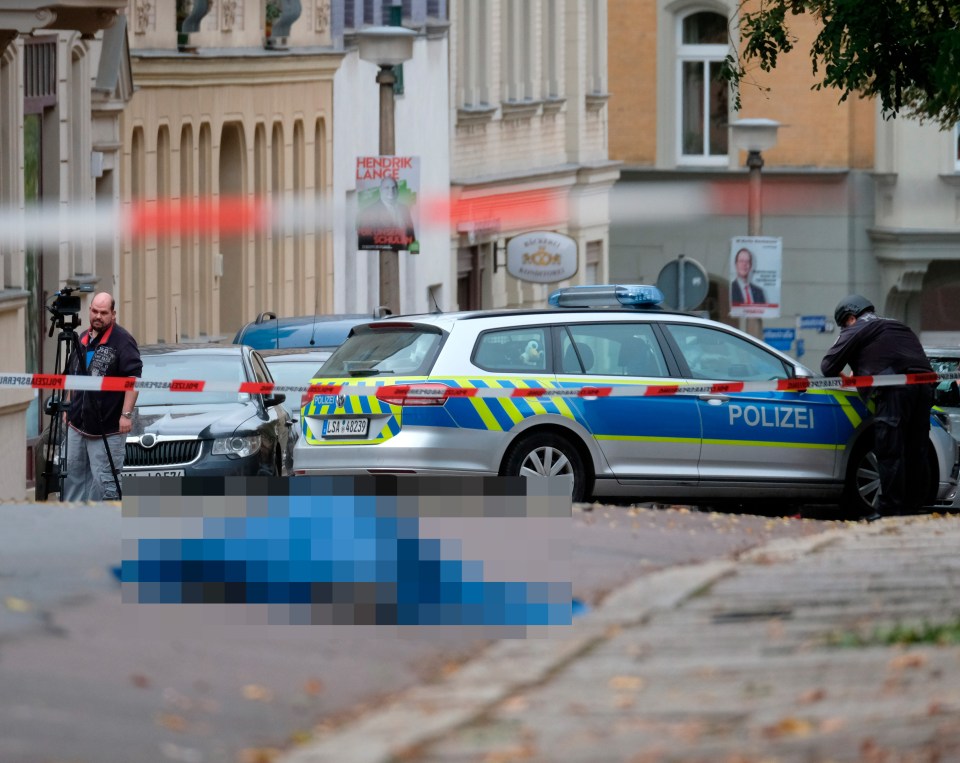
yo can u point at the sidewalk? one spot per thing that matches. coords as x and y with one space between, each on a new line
745 661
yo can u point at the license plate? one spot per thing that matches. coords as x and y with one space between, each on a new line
155 473
345 427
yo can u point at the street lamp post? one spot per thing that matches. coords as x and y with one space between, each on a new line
754 136
387 47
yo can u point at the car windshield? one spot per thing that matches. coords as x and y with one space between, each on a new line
210 368
944 365
295 372
382 353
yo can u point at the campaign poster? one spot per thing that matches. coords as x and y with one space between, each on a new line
756 274
387 211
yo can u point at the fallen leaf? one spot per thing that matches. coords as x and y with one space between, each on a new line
832 725
313 687
15 604
625 683
258 755
516 704
811 696
909 660
139 680
257 693
789 726
172 722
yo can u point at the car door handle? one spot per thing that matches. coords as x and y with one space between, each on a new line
715 399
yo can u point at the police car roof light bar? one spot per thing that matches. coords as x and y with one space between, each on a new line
607 295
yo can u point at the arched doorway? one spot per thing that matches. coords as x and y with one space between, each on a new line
232 247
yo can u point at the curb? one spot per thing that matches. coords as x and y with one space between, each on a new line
424 714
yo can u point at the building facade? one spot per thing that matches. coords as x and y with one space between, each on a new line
861 204
421 127
528 119
64 80
233 110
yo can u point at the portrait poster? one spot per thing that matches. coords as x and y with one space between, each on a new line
756 275
387 210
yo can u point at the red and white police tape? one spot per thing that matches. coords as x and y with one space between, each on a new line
399 393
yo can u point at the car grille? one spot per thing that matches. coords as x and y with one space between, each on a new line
165 453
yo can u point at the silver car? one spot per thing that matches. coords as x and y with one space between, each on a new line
802 446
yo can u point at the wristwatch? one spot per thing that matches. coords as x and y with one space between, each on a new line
127 414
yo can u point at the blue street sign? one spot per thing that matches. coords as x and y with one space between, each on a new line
801 349
781 334
814 322
780 339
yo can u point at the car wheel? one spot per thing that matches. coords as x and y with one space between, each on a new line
548 455
863 482
862 489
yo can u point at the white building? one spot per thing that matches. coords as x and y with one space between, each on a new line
528 118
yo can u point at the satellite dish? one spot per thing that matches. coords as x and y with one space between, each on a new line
684 283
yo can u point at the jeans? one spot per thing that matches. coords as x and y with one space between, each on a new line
88 476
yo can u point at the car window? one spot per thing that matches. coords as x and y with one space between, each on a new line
611 349
292 373
166 368
399 352
260 372
714 354
944 365
517 350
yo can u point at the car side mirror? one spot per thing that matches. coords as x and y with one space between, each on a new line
274 399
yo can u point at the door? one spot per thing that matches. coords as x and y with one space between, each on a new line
762 436
642 438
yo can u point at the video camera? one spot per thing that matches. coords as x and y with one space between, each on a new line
66 305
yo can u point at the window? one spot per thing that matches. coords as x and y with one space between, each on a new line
381 353
520 350
473 56
611 349
551 68
719 356
703 103
517 54
956 148
596 47
593 263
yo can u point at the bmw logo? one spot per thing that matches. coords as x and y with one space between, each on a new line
148 440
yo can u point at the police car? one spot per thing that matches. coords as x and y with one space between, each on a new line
803 446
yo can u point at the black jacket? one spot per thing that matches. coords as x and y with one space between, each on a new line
876 346
113 353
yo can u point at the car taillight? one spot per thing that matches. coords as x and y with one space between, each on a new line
413 394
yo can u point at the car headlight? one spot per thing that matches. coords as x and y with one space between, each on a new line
236 445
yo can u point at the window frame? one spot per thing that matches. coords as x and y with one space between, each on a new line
704 54
549 362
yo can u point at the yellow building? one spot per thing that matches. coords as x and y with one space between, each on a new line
231 107
843 188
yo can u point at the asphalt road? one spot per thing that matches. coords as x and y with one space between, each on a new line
87 679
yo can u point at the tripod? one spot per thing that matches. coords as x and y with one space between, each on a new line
55 461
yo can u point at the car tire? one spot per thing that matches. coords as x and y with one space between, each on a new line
862 485
547 455
862 489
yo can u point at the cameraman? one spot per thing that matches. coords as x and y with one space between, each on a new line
110 351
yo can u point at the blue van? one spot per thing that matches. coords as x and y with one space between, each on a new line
268 332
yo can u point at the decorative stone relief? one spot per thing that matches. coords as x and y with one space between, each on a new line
230 16
144 16
321 16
